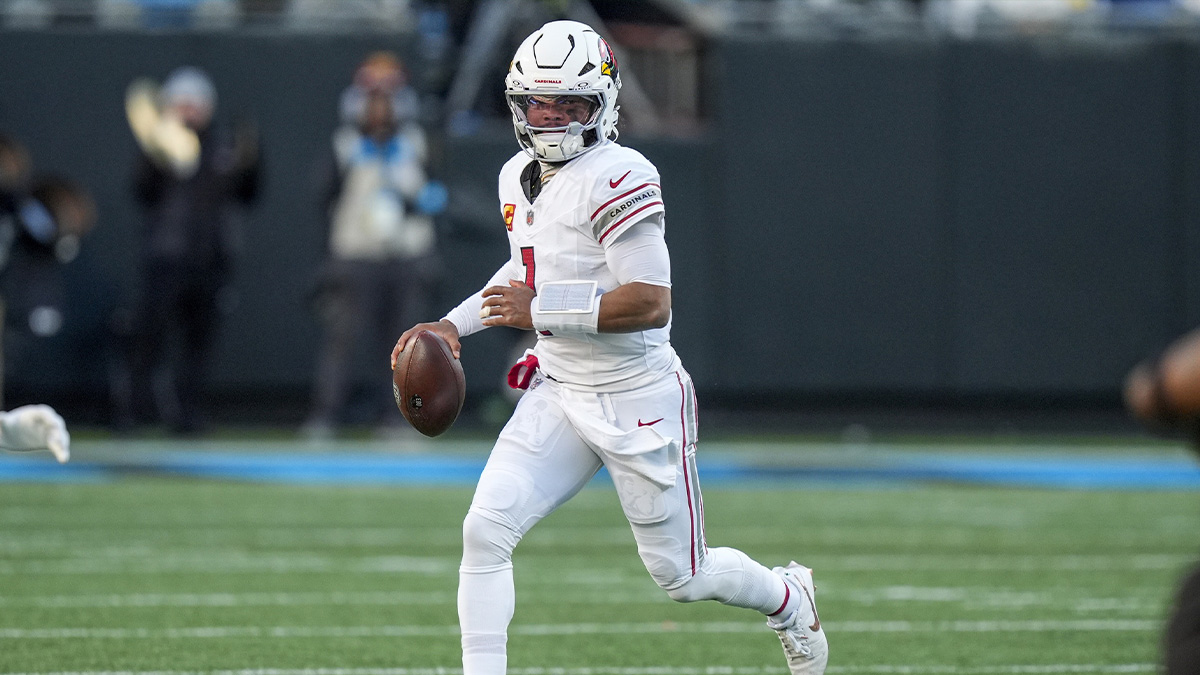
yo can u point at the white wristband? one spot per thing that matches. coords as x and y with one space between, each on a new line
566 307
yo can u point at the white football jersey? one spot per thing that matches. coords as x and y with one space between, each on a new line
562 236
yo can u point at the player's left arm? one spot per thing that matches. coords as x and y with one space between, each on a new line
627 219
640 261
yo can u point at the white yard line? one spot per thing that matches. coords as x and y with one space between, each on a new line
194 560
230 599
665 627
232 562
880 669
938 562
347 598
620 593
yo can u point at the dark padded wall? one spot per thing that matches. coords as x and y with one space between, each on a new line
834 253
1064 211
866 218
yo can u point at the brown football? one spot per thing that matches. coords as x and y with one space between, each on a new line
1167 390
429 384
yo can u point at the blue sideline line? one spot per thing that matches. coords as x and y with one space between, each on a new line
1082 473
1120 472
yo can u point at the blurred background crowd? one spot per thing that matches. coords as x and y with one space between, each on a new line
713 15
223 212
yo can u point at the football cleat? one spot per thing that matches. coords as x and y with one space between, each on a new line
804 642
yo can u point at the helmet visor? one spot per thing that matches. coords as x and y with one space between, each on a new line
545 111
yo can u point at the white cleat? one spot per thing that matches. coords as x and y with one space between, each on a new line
804 642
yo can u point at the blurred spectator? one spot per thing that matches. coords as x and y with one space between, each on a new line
118 14
189 177
963 17
14 166
381 264
1141 12
27 14
323 15
41 223
154 14
216 14
166 13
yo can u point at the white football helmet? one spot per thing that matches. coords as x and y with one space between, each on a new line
561 60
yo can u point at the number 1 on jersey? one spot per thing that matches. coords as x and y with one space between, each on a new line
530 266
530 273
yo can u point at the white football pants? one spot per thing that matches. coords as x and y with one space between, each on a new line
542 459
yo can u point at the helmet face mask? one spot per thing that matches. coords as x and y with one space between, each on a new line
562 91
556 123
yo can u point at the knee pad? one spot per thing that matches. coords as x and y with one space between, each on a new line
693 589
486 542
661 554
677 579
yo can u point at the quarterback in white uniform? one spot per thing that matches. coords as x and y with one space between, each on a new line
590 272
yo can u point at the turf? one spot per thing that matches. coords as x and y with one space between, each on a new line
160 574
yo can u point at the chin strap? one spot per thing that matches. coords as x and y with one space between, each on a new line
572 141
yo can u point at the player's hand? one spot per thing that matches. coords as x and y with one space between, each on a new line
445 329
35 427
508 305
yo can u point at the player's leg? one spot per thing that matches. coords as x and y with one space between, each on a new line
199 323
537 464
156 316
668 525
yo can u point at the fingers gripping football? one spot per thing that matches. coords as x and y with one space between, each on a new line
443 329
508 306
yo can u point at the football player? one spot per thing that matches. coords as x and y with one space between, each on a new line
590 273
35 427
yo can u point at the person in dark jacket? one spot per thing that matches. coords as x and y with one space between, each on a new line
189 182
42 221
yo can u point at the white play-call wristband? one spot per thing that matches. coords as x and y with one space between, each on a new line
566 307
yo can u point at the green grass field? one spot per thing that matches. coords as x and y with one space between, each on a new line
156 574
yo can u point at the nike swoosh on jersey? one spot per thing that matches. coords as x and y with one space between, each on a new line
649 424
614 183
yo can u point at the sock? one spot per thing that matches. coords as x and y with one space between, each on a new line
486 601
787 608
484 663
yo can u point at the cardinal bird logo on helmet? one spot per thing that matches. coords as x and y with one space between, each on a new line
608 63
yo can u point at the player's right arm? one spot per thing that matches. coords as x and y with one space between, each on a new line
460 321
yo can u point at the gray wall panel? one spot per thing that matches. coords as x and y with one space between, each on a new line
832 216
1062 211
